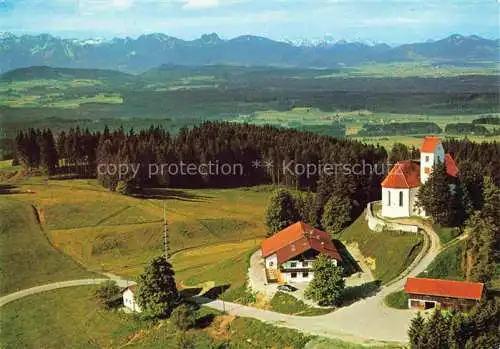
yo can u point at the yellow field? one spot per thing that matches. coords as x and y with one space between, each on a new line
210 230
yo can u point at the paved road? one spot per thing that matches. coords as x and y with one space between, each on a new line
366 321
56 285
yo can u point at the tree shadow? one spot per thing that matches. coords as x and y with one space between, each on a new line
169 194
189 292
355 293
8 189
215 291
204 321
349 264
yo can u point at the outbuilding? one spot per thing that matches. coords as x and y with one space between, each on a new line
426 293
128 295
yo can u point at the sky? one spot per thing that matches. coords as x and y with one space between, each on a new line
390 21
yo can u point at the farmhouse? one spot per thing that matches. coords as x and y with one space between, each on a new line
289 254
434 293
400 187
129 300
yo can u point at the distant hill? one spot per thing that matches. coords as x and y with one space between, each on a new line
152 50
43 72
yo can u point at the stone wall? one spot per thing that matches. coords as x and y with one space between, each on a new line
379 225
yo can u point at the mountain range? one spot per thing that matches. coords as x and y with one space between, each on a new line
152 50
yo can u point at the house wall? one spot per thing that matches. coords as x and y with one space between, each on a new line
299 276
391 205
296 264
271 261
417 302
129 301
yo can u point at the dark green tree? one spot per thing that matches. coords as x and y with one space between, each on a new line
183 317
306 205
435 196
157 292
327 284
336 214
415 331
107 293
281 211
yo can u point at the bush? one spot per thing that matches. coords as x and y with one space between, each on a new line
184 341
183 317
108 293
398 300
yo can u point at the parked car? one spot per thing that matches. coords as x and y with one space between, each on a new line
286 288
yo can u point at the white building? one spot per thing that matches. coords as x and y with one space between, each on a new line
129 300
289 254
400 187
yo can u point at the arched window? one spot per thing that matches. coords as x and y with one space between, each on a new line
389 198
401 199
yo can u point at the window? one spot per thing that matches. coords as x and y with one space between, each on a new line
427 158
271 264
400 199
305 264
293 275
427 170
389 200
293 264
305 274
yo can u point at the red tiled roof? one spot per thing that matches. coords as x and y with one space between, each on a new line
444 288
451 166
405 174
430 144
296 239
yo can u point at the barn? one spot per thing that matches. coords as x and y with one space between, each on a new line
443 294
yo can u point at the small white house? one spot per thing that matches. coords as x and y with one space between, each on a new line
400 187
129 300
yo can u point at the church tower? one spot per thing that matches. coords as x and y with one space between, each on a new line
431 152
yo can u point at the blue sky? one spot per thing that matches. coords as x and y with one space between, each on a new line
392 21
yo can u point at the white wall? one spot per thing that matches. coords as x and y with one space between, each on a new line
272 262
287 277
129 301
379 225
393 208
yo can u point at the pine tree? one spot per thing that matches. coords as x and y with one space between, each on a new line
435 196
336 214
415 332
157 292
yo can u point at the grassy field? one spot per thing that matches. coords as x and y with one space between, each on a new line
447 264
313 119
397 300
387 253
211 232
288 304
27 259
71 318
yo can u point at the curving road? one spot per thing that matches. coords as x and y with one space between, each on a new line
367 321
56 285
